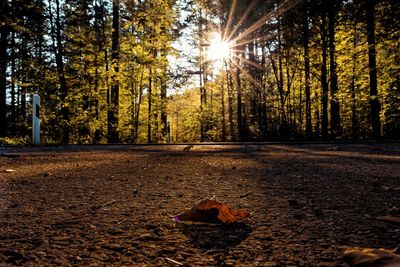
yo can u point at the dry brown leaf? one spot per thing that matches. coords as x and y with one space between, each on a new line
212 211
370 257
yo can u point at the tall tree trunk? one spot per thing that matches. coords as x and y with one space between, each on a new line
113 136
280 82
253 91
334 101
354 126
149 112
163 96
324 80
239 106
4 32
263 112
229 83
223 112
59 54
374 98
202 80
307 72
13 79
139 102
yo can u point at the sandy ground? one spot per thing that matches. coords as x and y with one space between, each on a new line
113 205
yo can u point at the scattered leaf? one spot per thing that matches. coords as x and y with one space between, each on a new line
211 211
370 257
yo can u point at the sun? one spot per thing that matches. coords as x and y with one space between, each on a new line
218 49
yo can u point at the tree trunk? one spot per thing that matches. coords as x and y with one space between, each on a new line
282 98
163 96
13 79
239 106
229 82
4 32
240 125
334 101
374 98
324 81
253 92
307 73
354 127
223 138
149 111
114 94
59 54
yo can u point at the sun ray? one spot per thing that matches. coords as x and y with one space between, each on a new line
248 76
249 62
229 21
218 49
243 17
262 38
284 7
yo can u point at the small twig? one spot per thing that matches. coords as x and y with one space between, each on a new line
246 194
108 203
173 261
104 205
121 221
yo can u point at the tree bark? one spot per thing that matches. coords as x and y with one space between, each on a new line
374 98
59 54
229 82
223 138
163 96
4 32
239 106
307 72
334 101
114 94
354 126
324 81
149 111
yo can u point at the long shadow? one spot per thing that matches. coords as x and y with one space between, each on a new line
215 236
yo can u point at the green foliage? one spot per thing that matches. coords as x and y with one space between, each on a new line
15 141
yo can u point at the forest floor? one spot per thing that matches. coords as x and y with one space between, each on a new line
113 205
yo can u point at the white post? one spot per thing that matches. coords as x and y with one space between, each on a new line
168 132
35 119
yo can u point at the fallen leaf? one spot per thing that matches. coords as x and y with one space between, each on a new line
370 257
211 211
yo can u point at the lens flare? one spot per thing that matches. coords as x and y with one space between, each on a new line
218 49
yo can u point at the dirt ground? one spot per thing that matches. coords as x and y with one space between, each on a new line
113 205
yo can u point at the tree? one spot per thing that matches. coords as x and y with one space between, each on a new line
114 92
374 98
4 33
334 101
307 70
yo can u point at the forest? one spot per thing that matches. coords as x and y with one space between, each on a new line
258 70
